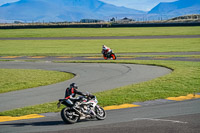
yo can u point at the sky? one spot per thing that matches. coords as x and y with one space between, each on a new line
145 5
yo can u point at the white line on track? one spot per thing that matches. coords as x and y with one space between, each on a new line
160 120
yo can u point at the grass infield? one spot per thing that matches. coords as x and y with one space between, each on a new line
86 32
182 81
70 47
18 79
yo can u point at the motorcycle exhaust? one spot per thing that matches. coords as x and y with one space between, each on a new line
77 111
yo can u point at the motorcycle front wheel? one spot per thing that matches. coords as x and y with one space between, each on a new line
100 113
68 116
105 57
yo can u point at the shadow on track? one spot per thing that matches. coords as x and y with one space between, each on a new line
44 123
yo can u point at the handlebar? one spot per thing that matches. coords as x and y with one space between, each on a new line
87 96
61 100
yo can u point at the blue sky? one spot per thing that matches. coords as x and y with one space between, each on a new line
144 5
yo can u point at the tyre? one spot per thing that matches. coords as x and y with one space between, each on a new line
113 56
105 57
68 117
100 112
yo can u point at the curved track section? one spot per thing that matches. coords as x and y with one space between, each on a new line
94 77
171 117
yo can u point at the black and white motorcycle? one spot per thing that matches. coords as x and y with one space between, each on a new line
85 107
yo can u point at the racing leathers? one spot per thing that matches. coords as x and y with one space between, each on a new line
70 94
106 50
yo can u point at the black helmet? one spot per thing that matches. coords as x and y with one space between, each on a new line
74 85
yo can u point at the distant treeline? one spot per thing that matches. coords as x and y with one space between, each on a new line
95 25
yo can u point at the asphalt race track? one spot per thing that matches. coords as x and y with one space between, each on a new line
120 56
168 117
155 117
90 77
176 117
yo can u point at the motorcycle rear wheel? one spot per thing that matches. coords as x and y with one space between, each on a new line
113 56
68 117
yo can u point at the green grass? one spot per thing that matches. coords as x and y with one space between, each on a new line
67 47
18 79
183 80
83 32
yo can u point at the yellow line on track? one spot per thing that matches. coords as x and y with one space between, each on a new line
182 98
10 57
120 106
36 57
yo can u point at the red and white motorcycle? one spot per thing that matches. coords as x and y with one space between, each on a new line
109 55
85 107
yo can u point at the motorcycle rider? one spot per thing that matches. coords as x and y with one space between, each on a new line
71 92
106 50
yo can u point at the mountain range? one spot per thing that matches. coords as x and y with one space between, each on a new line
60 10
75 10
180 7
